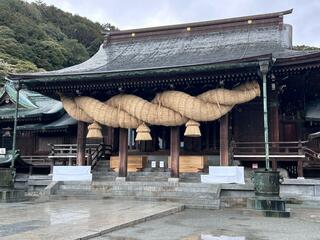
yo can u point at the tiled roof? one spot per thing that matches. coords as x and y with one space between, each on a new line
193 44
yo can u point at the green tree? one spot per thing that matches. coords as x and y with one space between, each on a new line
35 36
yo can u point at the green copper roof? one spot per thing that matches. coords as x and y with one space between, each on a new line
31 104
24 95
64 122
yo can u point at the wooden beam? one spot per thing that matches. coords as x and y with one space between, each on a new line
123 152
81 143
174 151
224 141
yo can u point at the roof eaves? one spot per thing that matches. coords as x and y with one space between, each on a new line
303 59
238 63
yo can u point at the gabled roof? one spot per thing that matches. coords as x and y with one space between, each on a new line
236 40
31 104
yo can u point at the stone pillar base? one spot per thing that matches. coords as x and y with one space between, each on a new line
173 180
121 179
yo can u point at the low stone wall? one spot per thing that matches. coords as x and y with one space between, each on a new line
235 195
293 190
300 189
195 195
11 195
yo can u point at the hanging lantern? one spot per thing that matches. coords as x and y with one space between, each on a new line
94 131
143 133
192 129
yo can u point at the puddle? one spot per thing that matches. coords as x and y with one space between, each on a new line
210 237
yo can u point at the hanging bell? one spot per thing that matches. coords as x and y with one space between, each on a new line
192 129
143 133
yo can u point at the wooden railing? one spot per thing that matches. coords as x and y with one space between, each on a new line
37 159
102 151
295 151
276 149
67 153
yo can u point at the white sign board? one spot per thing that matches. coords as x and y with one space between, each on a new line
224 175
161 164
2 151
71 173
153 164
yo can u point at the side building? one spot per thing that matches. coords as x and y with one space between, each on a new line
41 121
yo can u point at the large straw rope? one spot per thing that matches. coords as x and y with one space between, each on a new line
169 108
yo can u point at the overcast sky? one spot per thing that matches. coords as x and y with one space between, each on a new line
126 14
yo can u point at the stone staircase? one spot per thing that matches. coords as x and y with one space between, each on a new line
101 172
148 185
193 195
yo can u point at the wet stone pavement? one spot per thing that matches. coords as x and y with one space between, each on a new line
228 224
74 219
136 220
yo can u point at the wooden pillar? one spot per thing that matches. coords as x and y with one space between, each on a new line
224 141
300 168
300 161
109 137
81 143
174 151
123 152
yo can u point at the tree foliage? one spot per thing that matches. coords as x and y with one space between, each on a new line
35 36
304 48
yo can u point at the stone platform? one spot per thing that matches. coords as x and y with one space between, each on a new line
193 195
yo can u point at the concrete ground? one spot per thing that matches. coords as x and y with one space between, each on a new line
74 219
227 224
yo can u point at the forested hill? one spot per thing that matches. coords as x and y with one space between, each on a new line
34 36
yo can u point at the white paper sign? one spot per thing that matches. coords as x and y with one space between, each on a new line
2 151
161 164
223 174
71 173
153 164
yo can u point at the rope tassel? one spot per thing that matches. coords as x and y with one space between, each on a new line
94 131
192 129
143 133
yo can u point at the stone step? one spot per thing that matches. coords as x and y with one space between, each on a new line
40 177
104 174
147 179
81 187
69 196
191 194
74 192
104 178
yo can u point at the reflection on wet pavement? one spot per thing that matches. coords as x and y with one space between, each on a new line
18 227
210 237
